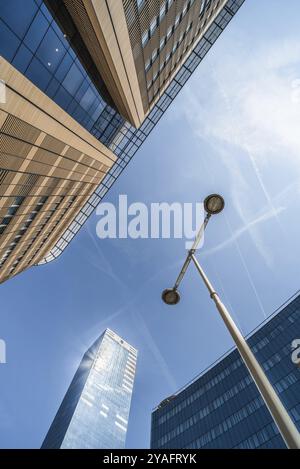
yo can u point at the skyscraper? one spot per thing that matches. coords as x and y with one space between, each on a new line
86 82
222 408
95 410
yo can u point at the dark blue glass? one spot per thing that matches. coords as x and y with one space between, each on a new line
97 112
38 74
51 50
46 12
52 87
81 90
22 58
18 14
63 98
9 42
64 67
36 32
88 99
73 79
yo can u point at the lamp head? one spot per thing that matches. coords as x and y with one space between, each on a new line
214 204
170 296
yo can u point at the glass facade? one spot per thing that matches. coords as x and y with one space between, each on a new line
222 407
35 44
95 410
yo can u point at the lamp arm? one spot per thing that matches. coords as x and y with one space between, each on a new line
191 251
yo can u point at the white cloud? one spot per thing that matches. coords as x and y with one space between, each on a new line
243 107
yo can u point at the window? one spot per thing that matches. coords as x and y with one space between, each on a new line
202 6
140 4
36 32
145 38
153 26
18 15
88 99
73 79
162 12
169 32
177 20
162 43
189 27
39 74
154 55
51 50
9 42
22 58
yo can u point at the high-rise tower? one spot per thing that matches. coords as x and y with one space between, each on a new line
95 410
86 81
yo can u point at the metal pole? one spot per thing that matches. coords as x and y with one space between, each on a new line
191 251
280 415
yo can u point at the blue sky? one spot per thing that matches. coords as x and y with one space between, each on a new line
234 129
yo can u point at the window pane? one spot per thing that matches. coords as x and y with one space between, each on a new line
38 74
87 99
22 58
8 41
73 79
36 32
18 14
63 67
51 50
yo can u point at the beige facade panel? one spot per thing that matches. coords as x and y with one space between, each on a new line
193 36
103 28
137 71
172 28
49 166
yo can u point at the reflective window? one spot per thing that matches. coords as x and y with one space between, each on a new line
38 74
22 58
73 79
9 42
18 15
51 50
36 32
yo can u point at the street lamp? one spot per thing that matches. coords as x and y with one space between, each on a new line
214 204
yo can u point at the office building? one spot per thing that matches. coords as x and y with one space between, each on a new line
86 81
95 410
222 407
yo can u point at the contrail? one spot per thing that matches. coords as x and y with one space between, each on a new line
156 352
238 233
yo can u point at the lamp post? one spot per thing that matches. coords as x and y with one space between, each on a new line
214 204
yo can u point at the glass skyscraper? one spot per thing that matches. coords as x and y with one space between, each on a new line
222 408
95 410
